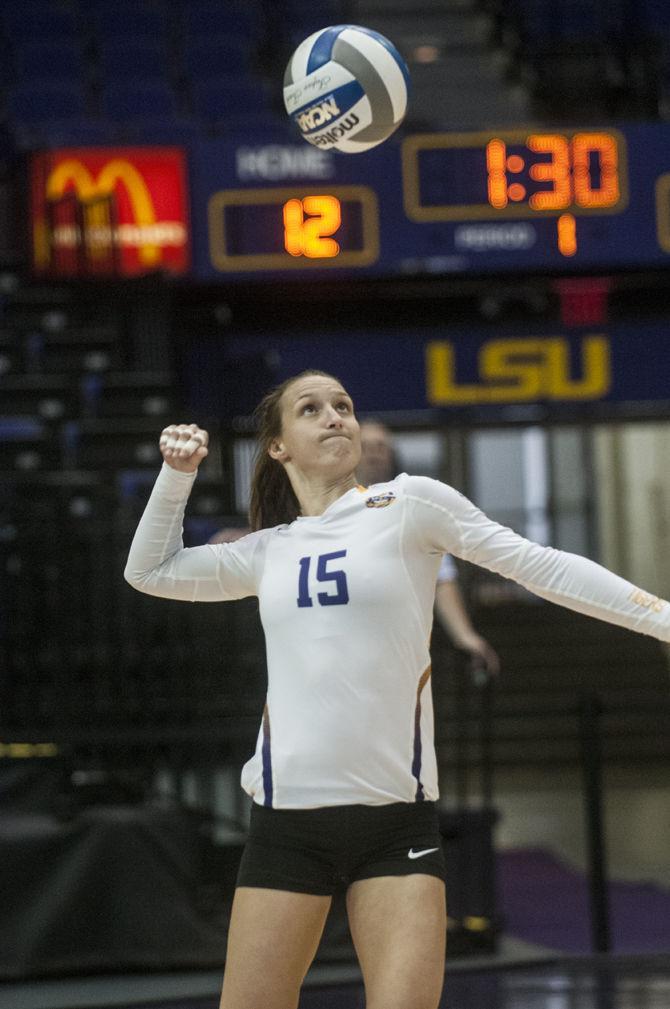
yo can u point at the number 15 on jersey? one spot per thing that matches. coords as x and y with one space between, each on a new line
338 577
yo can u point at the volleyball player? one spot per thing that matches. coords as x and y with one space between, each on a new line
344 776
379 463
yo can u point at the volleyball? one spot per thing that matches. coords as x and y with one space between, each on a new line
346 88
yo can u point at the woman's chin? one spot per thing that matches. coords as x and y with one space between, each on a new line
339 457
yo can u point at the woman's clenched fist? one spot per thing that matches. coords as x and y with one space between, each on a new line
184 446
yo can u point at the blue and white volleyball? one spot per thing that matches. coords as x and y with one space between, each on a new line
346 88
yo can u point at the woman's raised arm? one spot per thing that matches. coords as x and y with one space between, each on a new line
158 563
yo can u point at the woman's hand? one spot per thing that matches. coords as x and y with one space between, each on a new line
184 446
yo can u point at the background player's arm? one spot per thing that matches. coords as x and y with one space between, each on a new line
452 614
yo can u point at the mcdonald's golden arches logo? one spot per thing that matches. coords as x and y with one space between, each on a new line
147 186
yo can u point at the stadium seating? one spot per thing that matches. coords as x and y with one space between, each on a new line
227 102
52 61
131 443
138 100
146 71
27 444
49 398
581 58
128 394
71 350
206 58
12 356
45 101
84 132
70 65
301 18
232 20
126 20
182 129
136 59
31 22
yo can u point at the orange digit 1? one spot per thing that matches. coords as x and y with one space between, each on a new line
556 171
310 236
566 227
293 222
604 147
496 159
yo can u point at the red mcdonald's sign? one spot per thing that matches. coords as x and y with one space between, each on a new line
106 211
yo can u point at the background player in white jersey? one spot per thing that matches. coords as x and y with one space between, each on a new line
379 463
344 776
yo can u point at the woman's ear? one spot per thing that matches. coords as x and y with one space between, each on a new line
277 451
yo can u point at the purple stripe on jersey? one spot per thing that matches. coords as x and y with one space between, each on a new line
416 763
267 759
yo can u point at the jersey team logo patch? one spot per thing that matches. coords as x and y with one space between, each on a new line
380 500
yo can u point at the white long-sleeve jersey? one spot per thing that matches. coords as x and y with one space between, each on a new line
346 601
447 571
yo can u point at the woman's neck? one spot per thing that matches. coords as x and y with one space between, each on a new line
316 494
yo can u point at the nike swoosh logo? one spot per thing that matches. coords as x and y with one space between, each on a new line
417 854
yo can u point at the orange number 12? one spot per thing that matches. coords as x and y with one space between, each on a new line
308 224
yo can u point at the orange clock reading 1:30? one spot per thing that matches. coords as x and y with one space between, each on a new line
567 171
309 224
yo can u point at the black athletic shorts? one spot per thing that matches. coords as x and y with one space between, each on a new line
322 850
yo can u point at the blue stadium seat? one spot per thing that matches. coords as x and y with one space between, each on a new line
538 21
11 355
14 7
124 102
332 11
132 58
302 17
99 445
27 444
45 101
578 20
64 133
128 20
180 130
565 20
211 57
46 398
654 16
128 394
58 61
223 99
37 22
72 351
234 20
614 16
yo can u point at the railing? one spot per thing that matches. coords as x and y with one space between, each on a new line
474 743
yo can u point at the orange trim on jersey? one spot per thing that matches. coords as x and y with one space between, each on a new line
425 676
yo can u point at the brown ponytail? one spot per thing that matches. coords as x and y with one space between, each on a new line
272 501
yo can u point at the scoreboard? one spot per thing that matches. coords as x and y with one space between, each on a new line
496 201
265 206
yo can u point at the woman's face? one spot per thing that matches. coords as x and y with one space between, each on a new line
377 459
320 434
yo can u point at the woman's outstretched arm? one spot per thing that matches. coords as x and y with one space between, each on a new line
445 521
